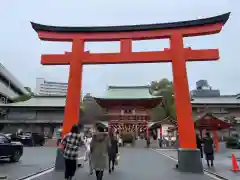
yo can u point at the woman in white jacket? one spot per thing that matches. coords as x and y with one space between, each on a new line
88 141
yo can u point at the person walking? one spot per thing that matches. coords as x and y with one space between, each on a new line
148 141
160 142
112 152
209 149
199 144
71 143
99 152
88 154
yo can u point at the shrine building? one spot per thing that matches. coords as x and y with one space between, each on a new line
127 108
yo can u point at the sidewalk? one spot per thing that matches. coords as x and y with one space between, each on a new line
136 164
222 162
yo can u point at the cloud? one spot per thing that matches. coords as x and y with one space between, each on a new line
21 49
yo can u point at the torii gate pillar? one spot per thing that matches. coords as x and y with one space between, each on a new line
189 157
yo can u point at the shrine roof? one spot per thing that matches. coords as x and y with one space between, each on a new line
130 28
167 120
40 101
226 100
128 93
210 122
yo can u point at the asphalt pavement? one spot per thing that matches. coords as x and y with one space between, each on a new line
222 162
135 164
34 159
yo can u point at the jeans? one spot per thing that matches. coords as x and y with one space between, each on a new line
90 162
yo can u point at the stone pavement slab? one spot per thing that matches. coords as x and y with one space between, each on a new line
222 162
135 164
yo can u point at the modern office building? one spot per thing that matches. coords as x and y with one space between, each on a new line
50 88
10 87
203 89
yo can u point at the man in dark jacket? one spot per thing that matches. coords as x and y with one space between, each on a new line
199 144
112 152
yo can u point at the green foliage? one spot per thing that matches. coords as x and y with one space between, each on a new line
163 88
24 97
158 113
233 142
29 90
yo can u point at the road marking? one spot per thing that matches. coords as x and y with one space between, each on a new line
39 174
165 149
206 172
43 172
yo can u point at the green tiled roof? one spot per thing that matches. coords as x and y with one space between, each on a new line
128 92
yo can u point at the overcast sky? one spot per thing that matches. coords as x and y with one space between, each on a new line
20 49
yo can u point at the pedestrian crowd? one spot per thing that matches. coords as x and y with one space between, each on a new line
101 151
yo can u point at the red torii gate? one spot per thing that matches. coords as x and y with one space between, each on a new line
176 54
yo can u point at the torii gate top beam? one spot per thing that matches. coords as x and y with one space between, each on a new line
197 27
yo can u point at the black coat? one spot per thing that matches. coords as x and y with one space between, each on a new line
113 148
208 145
199 145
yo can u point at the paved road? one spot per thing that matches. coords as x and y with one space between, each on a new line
222 162
136 164
34 159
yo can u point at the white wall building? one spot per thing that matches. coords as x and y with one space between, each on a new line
10 87
50 88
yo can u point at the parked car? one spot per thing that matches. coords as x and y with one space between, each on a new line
8 135
10 149
233 142
29 138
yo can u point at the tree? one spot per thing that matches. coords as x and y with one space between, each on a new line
24 97
163 88
29 90
92 111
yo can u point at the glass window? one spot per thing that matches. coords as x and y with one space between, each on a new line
3 139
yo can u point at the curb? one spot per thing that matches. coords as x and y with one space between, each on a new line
33 174
206 172
40 172
166 149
